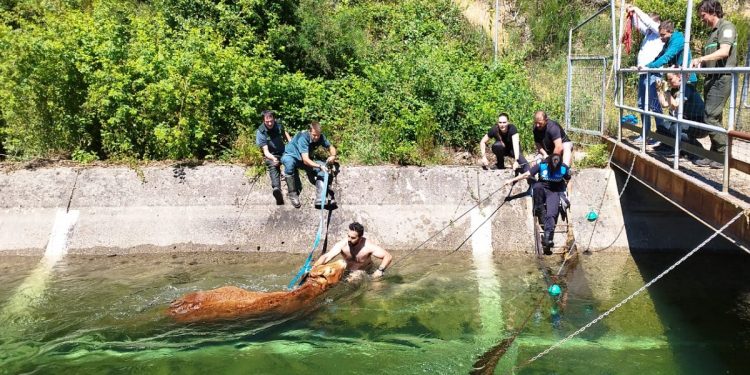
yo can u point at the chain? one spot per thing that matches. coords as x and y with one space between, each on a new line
637 292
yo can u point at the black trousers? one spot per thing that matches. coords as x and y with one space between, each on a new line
547 205
500 151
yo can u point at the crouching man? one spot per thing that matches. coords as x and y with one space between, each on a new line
297 155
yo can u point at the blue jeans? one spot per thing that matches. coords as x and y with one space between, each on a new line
291 164
654 105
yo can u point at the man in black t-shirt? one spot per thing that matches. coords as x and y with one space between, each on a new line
507 143
550 138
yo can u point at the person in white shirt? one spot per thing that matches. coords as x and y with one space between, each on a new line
651 46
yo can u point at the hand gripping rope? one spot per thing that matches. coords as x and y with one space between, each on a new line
306 267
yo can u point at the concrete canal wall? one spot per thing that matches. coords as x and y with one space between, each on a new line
220 207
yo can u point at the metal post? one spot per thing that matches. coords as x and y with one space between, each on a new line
617 47
569 83
730 126
621 92
604 88
684 64
646 107
497 28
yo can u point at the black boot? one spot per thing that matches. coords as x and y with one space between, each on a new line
291 186
318 191
279 197
331 203
547 241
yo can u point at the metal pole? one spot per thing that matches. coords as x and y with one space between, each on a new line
497 28
617 49
730 126
685 51
646 107
604 89
569 83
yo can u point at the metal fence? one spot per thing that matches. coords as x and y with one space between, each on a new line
589 60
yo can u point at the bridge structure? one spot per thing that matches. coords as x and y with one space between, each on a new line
602 89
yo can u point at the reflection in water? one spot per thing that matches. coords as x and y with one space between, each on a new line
102 313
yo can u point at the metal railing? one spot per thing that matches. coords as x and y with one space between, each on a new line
726 157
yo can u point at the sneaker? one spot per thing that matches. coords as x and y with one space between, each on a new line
702 162
662 148
653 142
716 165
638 140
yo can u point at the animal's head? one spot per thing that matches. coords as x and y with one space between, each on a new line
327 275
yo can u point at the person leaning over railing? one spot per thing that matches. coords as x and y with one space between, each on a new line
651 46
693 109
720 51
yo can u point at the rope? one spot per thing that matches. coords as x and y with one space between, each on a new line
604 195
485 220
633 295
453 221
306 266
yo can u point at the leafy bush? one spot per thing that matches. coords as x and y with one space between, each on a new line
173 79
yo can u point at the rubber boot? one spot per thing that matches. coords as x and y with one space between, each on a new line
547 239
291 186
278 196
318 192
331 203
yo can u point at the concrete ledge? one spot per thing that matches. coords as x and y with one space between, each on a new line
217 207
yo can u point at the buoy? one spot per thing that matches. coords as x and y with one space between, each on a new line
592 216
554 290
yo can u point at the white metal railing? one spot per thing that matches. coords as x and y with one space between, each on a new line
684 70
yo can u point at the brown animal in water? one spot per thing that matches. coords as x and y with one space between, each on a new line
230 302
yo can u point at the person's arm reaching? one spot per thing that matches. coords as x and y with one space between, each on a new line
380 253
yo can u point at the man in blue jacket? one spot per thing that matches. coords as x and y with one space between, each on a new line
671 54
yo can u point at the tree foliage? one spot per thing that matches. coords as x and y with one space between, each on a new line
171 79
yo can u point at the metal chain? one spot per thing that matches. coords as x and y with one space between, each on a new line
637 292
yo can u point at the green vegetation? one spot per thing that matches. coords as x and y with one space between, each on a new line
401 82
172 79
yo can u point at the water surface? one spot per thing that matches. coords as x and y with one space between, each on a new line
102 314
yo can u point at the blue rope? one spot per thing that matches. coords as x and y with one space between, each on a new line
306 267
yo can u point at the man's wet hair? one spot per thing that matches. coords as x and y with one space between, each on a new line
267 113
667 26
314 125
357 227
711 7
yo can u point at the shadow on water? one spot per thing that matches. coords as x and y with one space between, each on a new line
704 303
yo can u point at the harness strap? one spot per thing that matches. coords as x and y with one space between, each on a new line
307 265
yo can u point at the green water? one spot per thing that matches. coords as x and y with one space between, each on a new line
106 315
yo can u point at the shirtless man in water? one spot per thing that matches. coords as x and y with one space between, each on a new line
358 252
